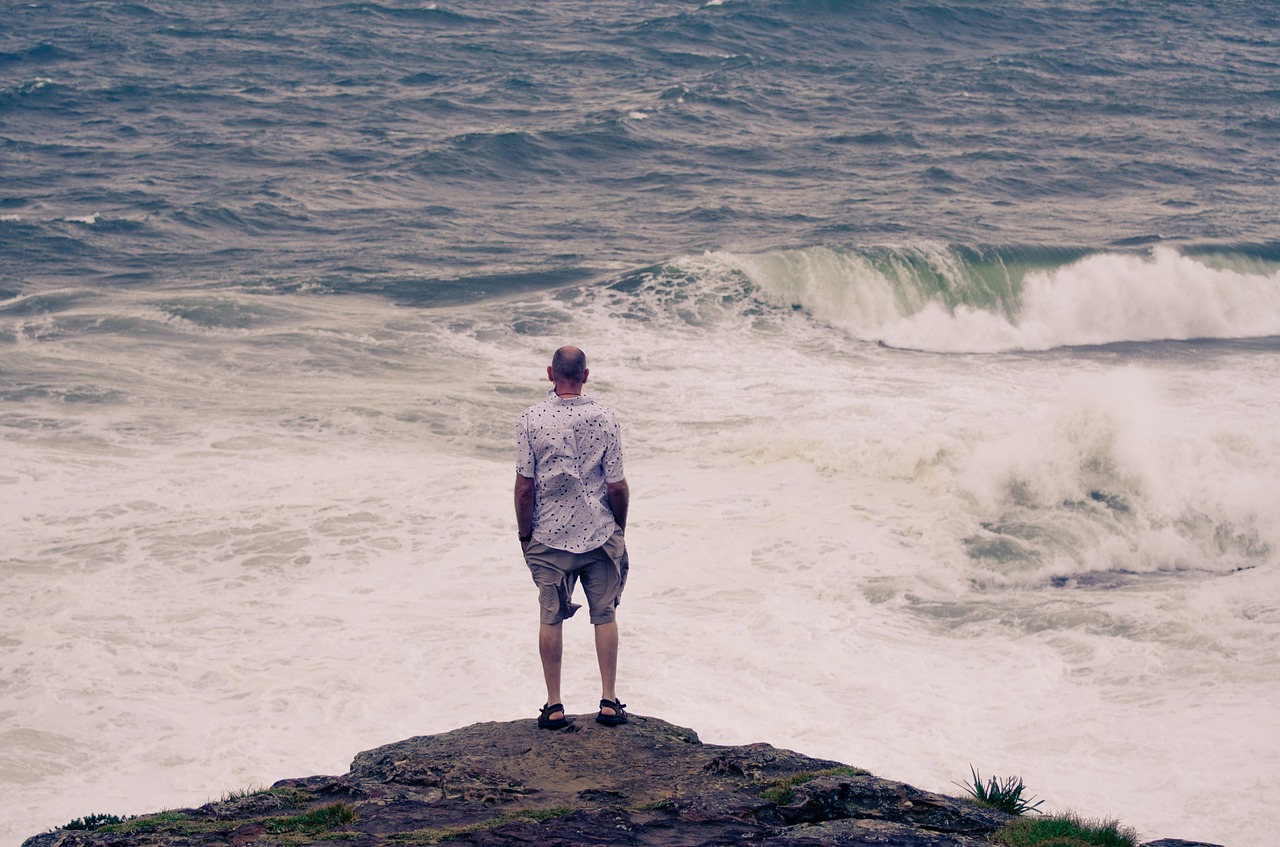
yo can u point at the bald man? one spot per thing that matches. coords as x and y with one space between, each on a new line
571 502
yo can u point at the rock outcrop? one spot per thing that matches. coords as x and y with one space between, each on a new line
646 783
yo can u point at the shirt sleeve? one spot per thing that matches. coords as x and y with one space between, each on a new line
613 453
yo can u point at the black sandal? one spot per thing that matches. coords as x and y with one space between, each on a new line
545 721
618 716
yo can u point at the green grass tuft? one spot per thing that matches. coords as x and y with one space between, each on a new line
781 792
1065 830
1005 795
91 822
315 821
240 794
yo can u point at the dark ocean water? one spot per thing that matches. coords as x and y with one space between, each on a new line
438 151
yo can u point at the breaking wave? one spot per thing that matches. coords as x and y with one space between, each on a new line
967 300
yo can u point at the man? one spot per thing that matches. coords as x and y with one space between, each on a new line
571 509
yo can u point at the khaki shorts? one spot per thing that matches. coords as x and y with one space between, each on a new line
603 572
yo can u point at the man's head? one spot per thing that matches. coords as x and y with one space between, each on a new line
568 367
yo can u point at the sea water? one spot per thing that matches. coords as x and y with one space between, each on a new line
949 415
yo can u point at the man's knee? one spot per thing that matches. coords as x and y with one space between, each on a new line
554 608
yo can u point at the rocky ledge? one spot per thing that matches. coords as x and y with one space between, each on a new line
646 783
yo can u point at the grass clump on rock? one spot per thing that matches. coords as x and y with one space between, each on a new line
1065 830
315 821
92 822
1003 794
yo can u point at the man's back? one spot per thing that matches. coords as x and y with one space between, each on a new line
571 447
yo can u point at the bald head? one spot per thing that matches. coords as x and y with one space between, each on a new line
569 364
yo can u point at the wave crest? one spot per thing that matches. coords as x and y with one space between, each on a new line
967 300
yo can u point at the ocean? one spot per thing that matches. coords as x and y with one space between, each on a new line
945 337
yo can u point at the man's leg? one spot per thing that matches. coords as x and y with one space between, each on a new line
551 650
607 656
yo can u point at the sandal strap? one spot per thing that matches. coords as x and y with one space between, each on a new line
616 705
552 707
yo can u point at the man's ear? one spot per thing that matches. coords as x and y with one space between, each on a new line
586 372
550 374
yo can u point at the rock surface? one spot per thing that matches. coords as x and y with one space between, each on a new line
645 783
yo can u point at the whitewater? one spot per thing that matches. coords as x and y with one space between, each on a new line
250 536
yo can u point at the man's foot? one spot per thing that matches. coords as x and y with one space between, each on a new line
547 719
611 713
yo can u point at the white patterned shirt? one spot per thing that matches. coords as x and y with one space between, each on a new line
571 448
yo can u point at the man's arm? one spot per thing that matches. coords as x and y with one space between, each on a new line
524 505
619 499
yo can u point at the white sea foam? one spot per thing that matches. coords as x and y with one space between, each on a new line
237 556
1132 474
